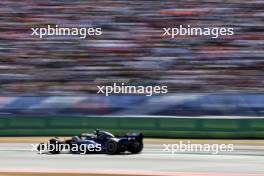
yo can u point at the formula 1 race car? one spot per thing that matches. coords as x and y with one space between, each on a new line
97 142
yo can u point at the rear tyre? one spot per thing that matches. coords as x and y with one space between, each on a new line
136 147
112 147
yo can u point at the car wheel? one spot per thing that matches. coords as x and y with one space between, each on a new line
74 148
54 147
136 147
112 147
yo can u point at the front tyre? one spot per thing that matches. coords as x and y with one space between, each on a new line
54 146
112 147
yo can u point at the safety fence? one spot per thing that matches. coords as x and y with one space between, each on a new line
179 127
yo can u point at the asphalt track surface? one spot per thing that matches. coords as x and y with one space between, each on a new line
245 160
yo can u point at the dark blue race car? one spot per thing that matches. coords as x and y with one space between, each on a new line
97 142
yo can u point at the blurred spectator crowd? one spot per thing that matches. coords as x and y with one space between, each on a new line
191 104
131 48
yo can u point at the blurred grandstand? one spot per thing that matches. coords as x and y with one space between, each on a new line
221 76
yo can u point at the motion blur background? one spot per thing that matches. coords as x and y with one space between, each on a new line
48 86
59 75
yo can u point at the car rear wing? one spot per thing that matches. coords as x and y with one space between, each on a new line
137 136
